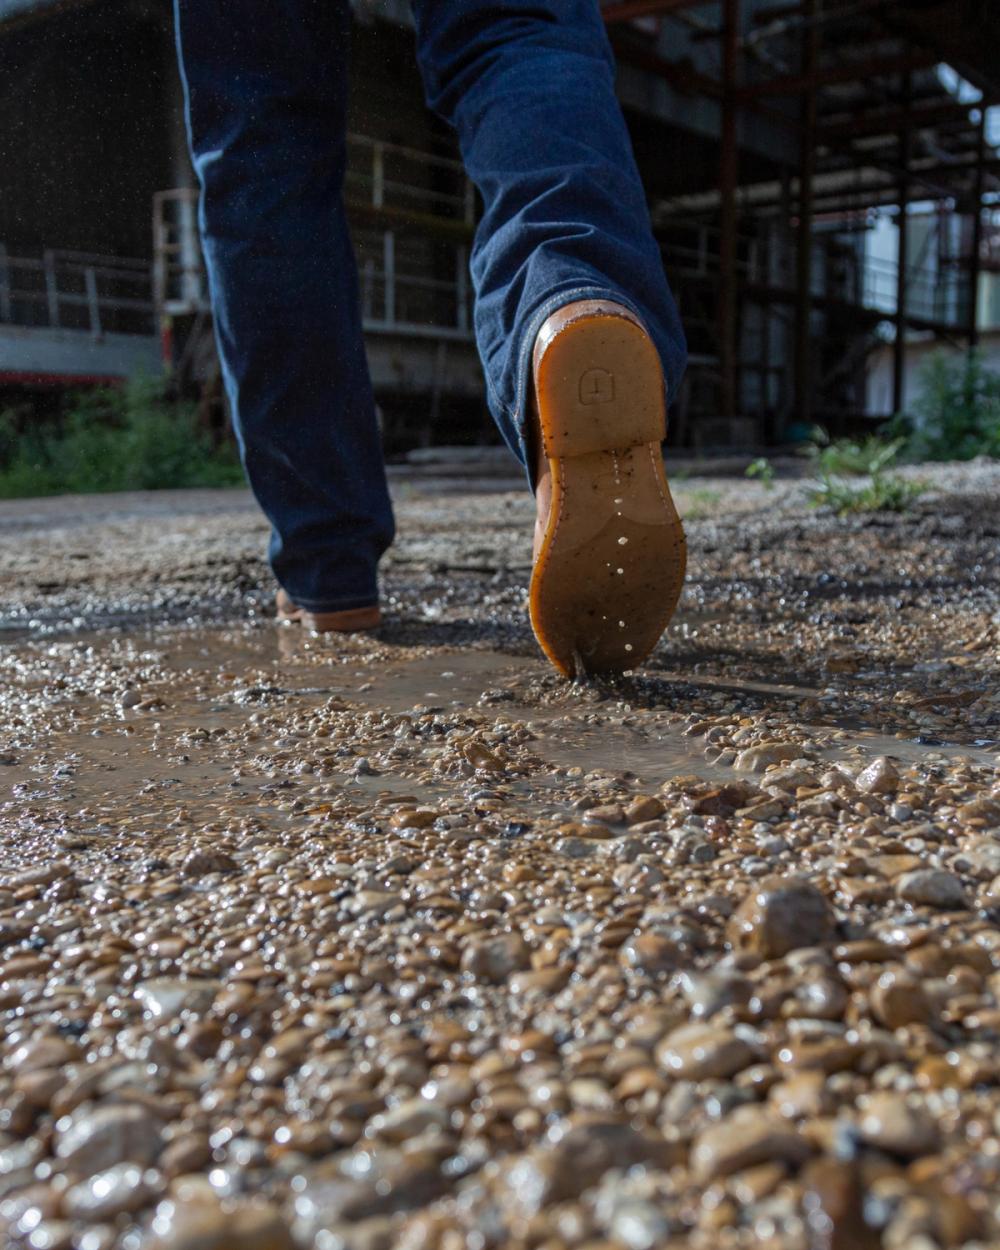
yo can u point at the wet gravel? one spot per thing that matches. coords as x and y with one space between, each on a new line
403 941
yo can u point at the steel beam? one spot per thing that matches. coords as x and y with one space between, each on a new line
728 177
803 250
856 71
976 243
899 347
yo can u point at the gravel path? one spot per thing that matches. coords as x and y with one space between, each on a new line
402 941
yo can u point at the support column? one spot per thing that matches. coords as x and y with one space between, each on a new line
899 347
728 175
976 243
803 253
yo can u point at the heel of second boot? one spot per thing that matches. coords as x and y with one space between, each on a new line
599 387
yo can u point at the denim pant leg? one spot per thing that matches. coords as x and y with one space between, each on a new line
265 89
529 87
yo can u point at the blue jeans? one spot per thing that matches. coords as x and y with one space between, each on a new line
528 86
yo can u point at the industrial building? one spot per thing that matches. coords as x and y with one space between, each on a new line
782 144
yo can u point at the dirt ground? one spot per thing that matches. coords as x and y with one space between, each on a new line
402 940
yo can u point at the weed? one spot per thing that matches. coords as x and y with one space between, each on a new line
850 457
111 439
699 503
883 492
763 470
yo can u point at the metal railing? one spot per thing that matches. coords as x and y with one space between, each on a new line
391 175
424 292
76 291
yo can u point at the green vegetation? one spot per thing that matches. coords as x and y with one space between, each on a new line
957 416
883 492
867 458
111 439
695 505
763 470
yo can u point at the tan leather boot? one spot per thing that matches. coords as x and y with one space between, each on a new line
348 621
609 546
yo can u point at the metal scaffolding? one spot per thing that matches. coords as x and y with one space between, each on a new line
867 107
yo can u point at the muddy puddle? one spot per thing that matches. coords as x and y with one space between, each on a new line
215 724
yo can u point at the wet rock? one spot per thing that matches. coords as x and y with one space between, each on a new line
932 887
124 1187
204 861
652 954
575 1157
746 1137
168 997
779 915
642 808
757 759
898 999
708 993
983 812
700 1052
207 1224
494 959
96 1138
896 1124
879 777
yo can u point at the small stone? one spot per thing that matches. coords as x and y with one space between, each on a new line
642 808
932 887
898 999
708 993
746 1137
168 997
984 812
700 1052
493 959
124 1187
205 1223
409 1119
97 1138
879 777
650 953
201 862
895 1124
779 915
757 759
39 1054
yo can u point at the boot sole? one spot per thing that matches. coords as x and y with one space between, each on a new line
611 565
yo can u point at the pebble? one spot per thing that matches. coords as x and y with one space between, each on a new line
205 1223
101 1197
700 1052
893 1123
932 887
779 915
745 1138
96 1138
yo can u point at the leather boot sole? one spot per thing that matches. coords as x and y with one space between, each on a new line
348 621
611 563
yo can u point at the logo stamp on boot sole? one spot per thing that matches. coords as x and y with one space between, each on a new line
597 386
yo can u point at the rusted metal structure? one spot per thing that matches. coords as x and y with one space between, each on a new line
873 106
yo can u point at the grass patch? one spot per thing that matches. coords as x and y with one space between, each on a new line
111 439
884 492
699 503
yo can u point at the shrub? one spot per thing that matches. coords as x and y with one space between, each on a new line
112 439
957 415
